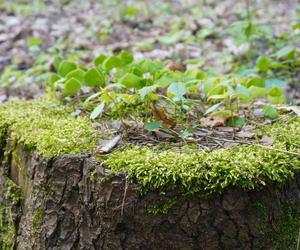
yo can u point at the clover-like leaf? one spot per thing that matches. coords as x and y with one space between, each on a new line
126 57
276 95
112 62
52 79
131 81
99 60
72 87
78 74
263 63
270 112
65 67
94 78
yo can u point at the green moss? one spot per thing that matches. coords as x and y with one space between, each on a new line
164 206
283 230
12 196
13 192
246 166
47 128
37 220
7 230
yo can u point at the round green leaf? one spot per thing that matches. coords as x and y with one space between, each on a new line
257 82
270 112
112 62
52 79
72 87
236 122
126 57
78 74
94 78
263 63
130 80
276 95
65 67
99 60
257 92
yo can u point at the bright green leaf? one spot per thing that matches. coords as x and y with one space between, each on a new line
112 62
126 57
257 82
34 41
270 112
78 74
99 60
257 92
94 78
52 79
213 108
276 96
72 87
263 63
242 92
65 67
56 62
131 81
236 122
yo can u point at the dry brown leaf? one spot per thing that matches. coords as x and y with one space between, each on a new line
212 121
160 115
266 140
245 134
108 145
177 66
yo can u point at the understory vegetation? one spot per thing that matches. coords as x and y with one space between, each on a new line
204 116
175 95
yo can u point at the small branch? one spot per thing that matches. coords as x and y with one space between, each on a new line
255 144
124 196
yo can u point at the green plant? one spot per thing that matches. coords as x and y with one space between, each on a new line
122 87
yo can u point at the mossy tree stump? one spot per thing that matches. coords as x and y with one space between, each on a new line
52 197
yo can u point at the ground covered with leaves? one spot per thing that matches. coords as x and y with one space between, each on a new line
169 73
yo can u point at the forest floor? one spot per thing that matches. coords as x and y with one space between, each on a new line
207 32
219 37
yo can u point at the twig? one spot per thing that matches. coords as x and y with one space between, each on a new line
124 196
255 144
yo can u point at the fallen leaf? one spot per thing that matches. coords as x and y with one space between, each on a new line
266 140
177 66
230 144
108 145
212 121
160 115
294 109
245 134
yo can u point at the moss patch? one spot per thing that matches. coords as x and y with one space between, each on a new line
246 166
37 220
45 127
283 230
11 196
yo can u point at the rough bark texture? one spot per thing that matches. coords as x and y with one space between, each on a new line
71 202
